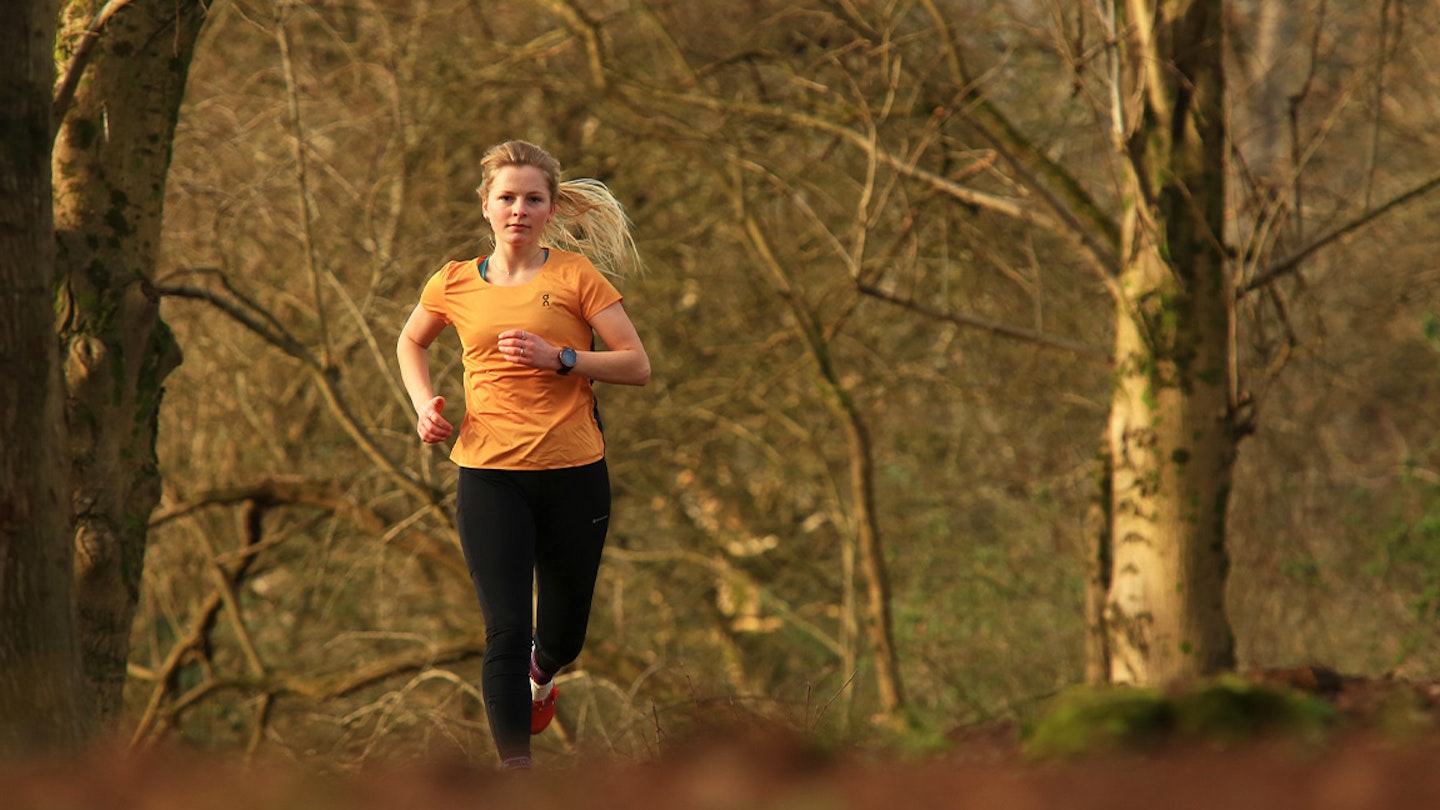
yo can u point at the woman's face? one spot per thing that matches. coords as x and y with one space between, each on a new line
518 205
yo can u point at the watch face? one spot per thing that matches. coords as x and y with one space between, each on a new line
567 357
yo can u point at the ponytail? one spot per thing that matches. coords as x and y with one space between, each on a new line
590 220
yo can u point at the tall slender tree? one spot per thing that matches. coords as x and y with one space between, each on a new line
38 685
124 67
1173 427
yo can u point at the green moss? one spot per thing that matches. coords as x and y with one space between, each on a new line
1230 710
1226 710
162 355
134 524
84 132
118 220
1099 719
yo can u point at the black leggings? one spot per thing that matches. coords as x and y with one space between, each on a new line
513 523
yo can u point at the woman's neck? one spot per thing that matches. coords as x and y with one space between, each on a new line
518 264
513 259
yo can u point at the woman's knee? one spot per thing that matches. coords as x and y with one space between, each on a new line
507 643
553 655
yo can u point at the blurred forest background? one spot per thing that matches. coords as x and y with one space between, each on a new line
808 288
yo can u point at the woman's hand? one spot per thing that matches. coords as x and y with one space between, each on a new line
529 349
432 427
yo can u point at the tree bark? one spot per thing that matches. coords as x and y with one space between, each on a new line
1098 555
1172 441
870 550
111 158
39 699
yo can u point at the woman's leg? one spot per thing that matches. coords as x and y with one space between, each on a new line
497 534
570 537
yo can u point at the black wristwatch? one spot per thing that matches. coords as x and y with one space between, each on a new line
567 361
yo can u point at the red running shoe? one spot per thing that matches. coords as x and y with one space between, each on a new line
542 711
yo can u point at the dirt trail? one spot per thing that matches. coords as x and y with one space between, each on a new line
1357 768
1354 776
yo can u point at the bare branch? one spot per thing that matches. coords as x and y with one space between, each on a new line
226 580
326 378
302 183
1295 102
724 570
1102 256
392 666
1292 263
974 321
247 314
70 78
1373 151
588 32
326 495
194 637
1006 206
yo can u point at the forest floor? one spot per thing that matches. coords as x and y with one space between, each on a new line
1382 752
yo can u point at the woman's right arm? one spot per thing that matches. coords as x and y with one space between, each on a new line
412 350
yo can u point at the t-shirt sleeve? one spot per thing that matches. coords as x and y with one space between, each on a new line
433 297
596 291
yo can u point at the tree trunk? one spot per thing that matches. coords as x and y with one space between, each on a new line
870 550
111 158
1171 438
869 545
39 699
1098 554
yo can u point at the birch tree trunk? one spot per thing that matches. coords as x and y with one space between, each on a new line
111 157
1098 546
1172 443
39 705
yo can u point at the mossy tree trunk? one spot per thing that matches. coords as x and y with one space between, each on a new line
111 157
1171 428
39 699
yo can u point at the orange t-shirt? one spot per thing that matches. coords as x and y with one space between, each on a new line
519 417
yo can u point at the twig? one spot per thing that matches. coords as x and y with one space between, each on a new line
1371 154
1290 264
302 182
834 697
995 327
75 68
193 638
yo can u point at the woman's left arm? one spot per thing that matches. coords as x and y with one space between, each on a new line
624 362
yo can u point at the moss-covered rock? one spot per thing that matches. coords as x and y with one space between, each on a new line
1222 711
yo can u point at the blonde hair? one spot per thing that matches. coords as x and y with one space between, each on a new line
588 218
